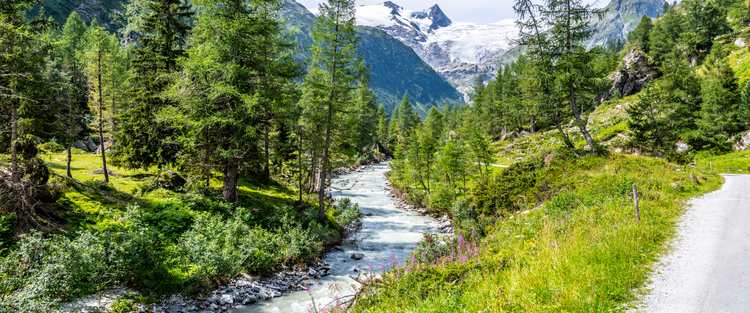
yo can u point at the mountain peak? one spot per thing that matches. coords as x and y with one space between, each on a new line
438 17
394 7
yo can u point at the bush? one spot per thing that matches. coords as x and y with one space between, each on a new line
348 216
504 191
441 198
51 147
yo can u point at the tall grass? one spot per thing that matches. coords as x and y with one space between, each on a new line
580 250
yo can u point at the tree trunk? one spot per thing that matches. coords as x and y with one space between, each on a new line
266 168
299 156
67 167
324 164
101 121
14 174
231 176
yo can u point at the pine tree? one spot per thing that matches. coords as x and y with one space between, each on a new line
334 68
532 21
368 118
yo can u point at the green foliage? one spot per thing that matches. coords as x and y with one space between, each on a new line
511 189
51 146
639 37
551 259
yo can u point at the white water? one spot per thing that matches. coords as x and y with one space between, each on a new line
387 229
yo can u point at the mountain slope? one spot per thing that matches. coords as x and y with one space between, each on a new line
458 51
87 9
394 66
621 18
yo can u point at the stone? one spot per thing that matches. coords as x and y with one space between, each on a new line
224 308
634 72
227 299
509 135
524 134
214 306
740 42
357 256
618 150
368 214
743 143
681 147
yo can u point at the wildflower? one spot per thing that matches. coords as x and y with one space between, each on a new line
413 259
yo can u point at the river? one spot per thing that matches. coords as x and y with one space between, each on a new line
388 229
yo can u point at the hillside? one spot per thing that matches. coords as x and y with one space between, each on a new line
103 11
621 18
394 66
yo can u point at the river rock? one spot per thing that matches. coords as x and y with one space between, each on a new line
214 306
227 299
357 256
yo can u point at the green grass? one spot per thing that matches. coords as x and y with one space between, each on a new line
581 250
157 241
736 162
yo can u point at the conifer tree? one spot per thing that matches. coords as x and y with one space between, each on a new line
101 44
334 68
720 97
142 140
648 116
73 43
743 109
221 104
639 37
382 125
368 118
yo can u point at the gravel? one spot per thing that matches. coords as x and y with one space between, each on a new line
708 269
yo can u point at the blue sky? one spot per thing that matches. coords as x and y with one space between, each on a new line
477 11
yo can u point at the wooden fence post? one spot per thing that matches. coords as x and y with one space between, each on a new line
712 166
635 200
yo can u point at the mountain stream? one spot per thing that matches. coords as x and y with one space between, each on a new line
388 229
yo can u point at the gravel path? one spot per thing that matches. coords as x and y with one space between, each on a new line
708 269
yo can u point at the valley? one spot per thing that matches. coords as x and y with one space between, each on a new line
164 156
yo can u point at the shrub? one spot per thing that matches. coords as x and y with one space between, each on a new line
51 147
504 191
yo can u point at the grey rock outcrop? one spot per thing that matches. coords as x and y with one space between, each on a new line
634 72
742 143
87 145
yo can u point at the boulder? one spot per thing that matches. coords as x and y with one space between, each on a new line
87 145
524 134
357 256
169 180
509 135
681 147
635 71
740 42
743 143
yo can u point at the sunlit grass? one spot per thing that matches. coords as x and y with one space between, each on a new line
581 251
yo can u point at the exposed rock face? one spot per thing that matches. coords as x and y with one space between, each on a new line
682 147
635 71
743 143
87 145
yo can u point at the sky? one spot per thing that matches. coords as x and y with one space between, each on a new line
476 11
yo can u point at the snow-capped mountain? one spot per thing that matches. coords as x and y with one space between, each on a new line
458 51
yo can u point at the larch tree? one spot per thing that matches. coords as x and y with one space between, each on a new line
100 47
334 69
73 44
